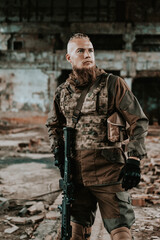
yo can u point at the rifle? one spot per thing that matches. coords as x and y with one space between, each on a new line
66 185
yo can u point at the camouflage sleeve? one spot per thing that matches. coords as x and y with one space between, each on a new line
55 122
128 106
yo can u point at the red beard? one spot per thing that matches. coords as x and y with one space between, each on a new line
85 76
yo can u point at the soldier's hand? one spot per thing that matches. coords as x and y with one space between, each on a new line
130 174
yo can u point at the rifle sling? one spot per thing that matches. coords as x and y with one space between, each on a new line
77 110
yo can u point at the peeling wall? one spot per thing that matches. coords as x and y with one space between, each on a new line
23 89
39 62
33 45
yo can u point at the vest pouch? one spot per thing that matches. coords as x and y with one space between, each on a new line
116 127
114 155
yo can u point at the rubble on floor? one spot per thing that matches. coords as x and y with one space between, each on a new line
19 139
38 219
148 190
28 182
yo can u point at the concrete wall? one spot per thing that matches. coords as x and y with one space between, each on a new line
29 84
23 89
33 46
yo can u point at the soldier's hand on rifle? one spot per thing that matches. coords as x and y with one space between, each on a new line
130 174
59 158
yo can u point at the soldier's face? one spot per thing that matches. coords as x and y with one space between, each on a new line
81 53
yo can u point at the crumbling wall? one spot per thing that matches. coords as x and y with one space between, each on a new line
23 89
6 91
36 60
33 38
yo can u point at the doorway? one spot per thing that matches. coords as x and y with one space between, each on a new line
147 91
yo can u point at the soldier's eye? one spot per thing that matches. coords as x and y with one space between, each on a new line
80 50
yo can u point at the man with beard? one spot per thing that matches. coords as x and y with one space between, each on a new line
102 173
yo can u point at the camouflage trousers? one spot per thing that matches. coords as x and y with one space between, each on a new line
114 204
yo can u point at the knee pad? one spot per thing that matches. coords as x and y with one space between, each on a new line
80 232
122 233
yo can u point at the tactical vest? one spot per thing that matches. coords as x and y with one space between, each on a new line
91 129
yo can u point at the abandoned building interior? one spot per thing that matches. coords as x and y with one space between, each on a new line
33 39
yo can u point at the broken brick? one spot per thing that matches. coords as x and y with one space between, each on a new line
30 203
19 220
52 215
11 230
36 218
150 189
139 201
37 207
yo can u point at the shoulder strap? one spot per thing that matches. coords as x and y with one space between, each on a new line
77 110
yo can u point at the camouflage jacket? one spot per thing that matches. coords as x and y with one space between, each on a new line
110 95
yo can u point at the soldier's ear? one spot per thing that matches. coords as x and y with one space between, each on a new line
68 57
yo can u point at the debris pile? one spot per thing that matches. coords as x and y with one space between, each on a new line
33 145
27 171
20 138
39 219
148 191
34 219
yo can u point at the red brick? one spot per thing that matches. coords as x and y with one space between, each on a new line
150 189
139 202
38 207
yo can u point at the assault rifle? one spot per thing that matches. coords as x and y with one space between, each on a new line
66 185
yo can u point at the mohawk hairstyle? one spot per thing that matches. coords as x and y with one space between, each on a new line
76 36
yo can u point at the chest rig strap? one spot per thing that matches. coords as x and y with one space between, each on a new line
77 110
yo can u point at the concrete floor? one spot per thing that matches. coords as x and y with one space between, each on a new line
98 230
25 174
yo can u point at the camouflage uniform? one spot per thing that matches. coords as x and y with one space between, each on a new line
98 161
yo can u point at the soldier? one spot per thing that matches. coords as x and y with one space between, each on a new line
102 172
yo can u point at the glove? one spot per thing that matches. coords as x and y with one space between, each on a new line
130 174
59 158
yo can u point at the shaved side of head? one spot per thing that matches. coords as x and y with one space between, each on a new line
74 37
